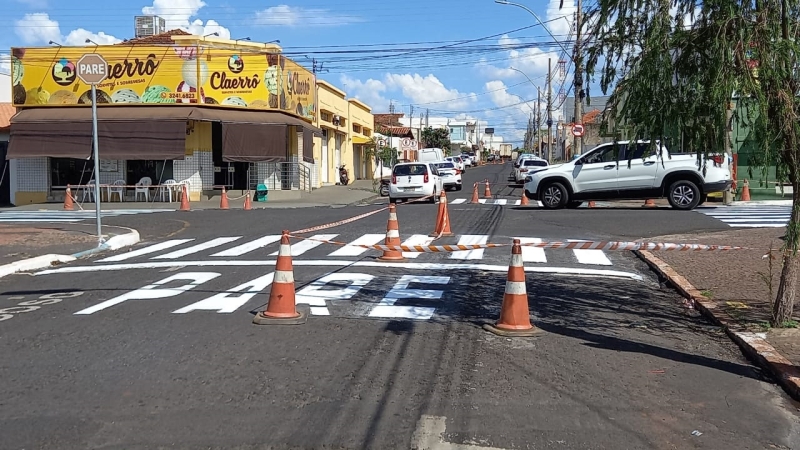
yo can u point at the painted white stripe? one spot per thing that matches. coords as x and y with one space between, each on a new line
518 203
393 233
250 246
500 201
760 219
145 251
482 201
532 254
595 257
515 288
305 245
758 225
417 239
342 263
402 312
198 248
283 276
41 220
458 201
469 239
367 239
320 311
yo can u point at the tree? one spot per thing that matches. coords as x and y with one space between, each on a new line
436 138
676 77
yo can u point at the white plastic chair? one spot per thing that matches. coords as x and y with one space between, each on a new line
168 188
143 187
88 191
117 188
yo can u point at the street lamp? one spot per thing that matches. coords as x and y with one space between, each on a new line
54 43
506 2
89 41
536 112
211 34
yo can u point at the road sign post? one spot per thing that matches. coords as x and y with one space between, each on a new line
92 69
577 130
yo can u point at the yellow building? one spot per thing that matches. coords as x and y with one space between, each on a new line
346 126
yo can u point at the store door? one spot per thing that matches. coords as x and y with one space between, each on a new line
5 182
337 156
232 175
324 169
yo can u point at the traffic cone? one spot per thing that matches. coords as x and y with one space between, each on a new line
184 199
442 219
223 200
591 204
487 193
524 201
248 203
392 237
515 317
475 194
68 204
281 307
649 203
746 191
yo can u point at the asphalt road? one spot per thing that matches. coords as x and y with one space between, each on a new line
393 355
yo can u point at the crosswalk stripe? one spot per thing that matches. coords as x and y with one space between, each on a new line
500 201
593 257
146 251
367 239
250 246
532 254
417 239
303 246
198 248
469 239
458 201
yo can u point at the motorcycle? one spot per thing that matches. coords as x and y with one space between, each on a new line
344 178
384 189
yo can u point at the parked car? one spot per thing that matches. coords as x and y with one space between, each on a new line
603 173
430 155
415 180
467 159
451 175
529 167
522 157
456 160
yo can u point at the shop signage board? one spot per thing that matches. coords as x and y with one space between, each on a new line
168 75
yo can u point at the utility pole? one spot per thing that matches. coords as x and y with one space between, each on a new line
727 195
549 107
577 147
538 122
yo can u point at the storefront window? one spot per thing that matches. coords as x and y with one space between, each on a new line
158 171
64 171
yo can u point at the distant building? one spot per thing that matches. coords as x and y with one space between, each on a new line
149 26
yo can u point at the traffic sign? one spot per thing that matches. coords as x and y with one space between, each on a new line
577 130
92 68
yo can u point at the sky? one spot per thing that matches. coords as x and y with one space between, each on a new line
449 58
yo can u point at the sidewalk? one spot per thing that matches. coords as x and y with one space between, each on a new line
732 288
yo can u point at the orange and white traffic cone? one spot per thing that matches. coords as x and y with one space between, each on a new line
248 203
591 204
524 200
282 307
223 199
515 315
68 204
649 203
184 199
475 194
487 193
392 237
442 219
746 191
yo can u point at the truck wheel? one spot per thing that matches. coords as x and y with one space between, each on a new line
684 195
554 196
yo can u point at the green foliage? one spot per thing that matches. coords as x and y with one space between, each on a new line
436 138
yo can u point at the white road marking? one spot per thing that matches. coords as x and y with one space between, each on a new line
595 257
417 239
367 239
532 254
342 263
198 248
232 299
470 239
146 251
500 201
305 245
458 201
482 201
429 435
250 246
387 309
316 297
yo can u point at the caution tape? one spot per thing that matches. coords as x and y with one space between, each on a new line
583 245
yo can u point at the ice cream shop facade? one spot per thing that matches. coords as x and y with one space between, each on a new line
205 112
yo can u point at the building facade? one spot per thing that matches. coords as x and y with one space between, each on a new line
175 108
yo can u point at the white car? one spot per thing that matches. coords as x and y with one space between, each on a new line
467 160
517 162
415 180
604 173
451 176
456 160
529 167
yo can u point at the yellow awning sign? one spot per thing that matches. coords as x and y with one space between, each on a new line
361 140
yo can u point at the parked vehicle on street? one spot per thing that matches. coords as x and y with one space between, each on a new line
344 178
467 159
604 173
529 167
457 161
430 155
415 180
451 175
522 157
384 187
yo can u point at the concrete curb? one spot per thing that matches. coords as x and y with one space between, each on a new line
41 262
753 345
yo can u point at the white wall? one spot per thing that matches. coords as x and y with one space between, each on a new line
5 88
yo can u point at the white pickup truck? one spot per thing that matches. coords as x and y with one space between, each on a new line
600 174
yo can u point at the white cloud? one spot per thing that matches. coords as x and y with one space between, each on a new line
179 14
39 28
368 92
5 86
292 16
427 90
5 63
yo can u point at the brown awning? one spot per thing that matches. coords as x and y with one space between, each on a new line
230 115
128 133
253 142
